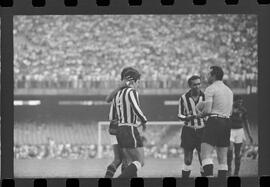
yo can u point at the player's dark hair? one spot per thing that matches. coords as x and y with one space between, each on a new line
217 72
192 78
132 74
124 72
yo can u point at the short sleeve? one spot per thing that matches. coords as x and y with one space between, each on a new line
209 94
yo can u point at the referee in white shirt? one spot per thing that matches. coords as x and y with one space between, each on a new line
217 107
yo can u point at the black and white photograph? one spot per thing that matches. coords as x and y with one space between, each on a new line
0 98
122 96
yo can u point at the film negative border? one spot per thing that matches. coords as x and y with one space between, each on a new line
27 7
74 3
36 7
147 182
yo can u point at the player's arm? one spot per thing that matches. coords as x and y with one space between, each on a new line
181 110
112 114
206 106
132 95
110 97
247 127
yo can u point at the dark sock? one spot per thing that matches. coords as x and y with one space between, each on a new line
202 174
129 172
208 170
229 160
110 171
222 174
237 159
124 166
185 174
237 163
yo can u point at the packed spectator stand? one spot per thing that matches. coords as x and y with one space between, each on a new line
90 51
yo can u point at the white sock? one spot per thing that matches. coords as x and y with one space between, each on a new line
186 167
207 161
137 164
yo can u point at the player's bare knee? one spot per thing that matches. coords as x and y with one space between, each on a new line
188 161
230 148
222 160
204 155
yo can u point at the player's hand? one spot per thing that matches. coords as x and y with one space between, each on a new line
190 117
201 115
143 126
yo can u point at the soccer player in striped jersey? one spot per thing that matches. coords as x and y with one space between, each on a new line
239 123
193 129
119 156
127 107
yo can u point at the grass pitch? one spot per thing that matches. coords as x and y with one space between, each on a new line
92 168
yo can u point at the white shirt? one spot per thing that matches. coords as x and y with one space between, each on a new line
219 99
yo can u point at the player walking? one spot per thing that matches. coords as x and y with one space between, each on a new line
127 106
218 107
192 131
119 156
239 122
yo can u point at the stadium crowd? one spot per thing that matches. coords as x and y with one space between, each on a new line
86 151
90 51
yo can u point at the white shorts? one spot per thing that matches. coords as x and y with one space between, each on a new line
237 135
113 140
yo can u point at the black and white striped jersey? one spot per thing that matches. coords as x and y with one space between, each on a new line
187 106
126 108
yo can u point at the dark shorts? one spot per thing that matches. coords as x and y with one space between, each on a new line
217 132
129 137
191 138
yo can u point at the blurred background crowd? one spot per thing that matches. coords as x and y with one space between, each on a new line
90 51
80 151
75 140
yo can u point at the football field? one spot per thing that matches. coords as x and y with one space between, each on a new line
91 168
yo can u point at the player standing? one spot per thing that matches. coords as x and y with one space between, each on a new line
192 131
119 156
218 107
239 122
127 106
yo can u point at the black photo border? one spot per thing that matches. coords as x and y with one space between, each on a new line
90 7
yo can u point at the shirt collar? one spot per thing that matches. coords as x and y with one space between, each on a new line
188 94
217 82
